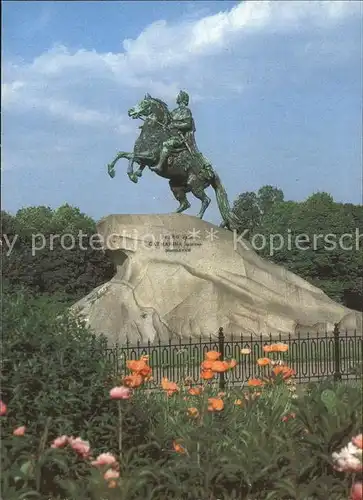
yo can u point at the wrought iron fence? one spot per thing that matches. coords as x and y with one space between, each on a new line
313 357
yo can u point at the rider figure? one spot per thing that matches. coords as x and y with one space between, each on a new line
182 128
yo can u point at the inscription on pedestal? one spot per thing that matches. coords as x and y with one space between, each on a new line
177 242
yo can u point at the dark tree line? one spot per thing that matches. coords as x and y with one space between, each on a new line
65 274
330 236
69 274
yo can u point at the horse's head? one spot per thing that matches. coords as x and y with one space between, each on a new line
143 109
150 106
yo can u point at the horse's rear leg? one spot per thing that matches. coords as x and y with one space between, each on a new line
198 190
180 193
140 170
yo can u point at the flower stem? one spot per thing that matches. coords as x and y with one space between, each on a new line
119 430
41 448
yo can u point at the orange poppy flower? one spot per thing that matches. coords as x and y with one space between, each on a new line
146 371
207 365
220 366
139 366
263 361
178 447
252 396
284 371
215 404
238 402
195 391
255 382
135 365
206 374
169 387
279 347
232 363
133 381
288 417
212 355
193 412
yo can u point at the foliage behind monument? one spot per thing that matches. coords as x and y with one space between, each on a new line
337 271
71 274
63 274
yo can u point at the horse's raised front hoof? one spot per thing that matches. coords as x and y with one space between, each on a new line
111 170
133 178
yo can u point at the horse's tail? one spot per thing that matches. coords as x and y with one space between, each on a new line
229 219
222 199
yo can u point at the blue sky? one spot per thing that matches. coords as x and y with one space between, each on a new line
275 90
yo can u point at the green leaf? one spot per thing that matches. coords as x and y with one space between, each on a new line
329 399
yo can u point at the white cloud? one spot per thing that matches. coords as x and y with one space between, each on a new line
161 59
165 46
64 92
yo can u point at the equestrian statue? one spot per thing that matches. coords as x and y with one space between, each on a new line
166 145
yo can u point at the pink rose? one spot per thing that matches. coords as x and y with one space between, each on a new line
111 474
59 442
358 441
2 409
356 492
120 393
79 446
104 459
19 431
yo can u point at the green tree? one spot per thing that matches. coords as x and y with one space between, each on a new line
250 207
320 239
50 255
268 197
248 212
33 220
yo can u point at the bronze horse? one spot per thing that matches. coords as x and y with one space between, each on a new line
187 171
